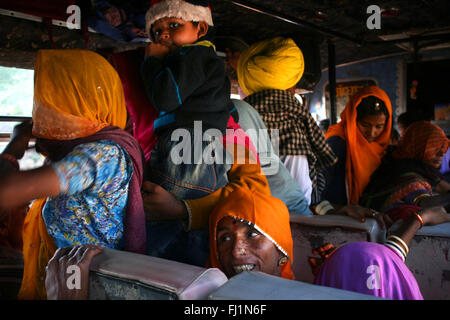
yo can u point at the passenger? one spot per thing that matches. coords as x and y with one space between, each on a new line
409 173
195 212
377 269
359 140
281 183
186 82
268 72
246 236
88 191
250 231
404 120
120 23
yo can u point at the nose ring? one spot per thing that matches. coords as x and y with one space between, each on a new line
242 251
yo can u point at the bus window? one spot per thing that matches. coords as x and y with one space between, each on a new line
16 104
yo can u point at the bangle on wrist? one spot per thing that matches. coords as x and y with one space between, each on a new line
11 159
323 208
399 240
418 218
417 199
396 248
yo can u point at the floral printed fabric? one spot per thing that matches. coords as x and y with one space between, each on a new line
90 208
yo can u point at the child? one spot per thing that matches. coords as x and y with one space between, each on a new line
187 85
119 23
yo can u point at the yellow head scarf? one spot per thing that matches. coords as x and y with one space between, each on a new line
76 94
270 64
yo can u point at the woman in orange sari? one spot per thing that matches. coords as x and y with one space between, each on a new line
250 230
88 191
359 140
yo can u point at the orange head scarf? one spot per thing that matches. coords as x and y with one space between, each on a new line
76 94
363 157
269 215
422 140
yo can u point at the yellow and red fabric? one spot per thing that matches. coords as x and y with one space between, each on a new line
422 140
76 94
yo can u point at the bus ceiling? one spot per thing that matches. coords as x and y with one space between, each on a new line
332 33
403 25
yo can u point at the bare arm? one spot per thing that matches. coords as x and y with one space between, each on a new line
19 188
430 216
433 201
443 187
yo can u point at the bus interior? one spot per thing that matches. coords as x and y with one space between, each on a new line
406 52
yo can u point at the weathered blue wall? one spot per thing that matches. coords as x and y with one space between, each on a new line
388 72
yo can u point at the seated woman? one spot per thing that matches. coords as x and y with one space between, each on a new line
378 269
359 140
408 175
88 191
250 231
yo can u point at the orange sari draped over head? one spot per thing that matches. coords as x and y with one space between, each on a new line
76 94
269 215
363 157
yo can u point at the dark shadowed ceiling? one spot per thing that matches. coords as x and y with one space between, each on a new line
341 21
424 23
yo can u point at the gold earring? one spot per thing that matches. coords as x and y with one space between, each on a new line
282 261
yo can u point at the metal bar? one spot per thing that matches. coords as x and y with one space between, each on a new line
21 15
295 21
442 36
14 118
332 80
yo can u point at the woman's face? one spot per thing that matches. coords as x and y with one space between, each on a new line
436 160
371 127
243 248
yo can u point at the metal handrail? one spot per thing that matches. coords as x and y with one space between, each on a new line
14 118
